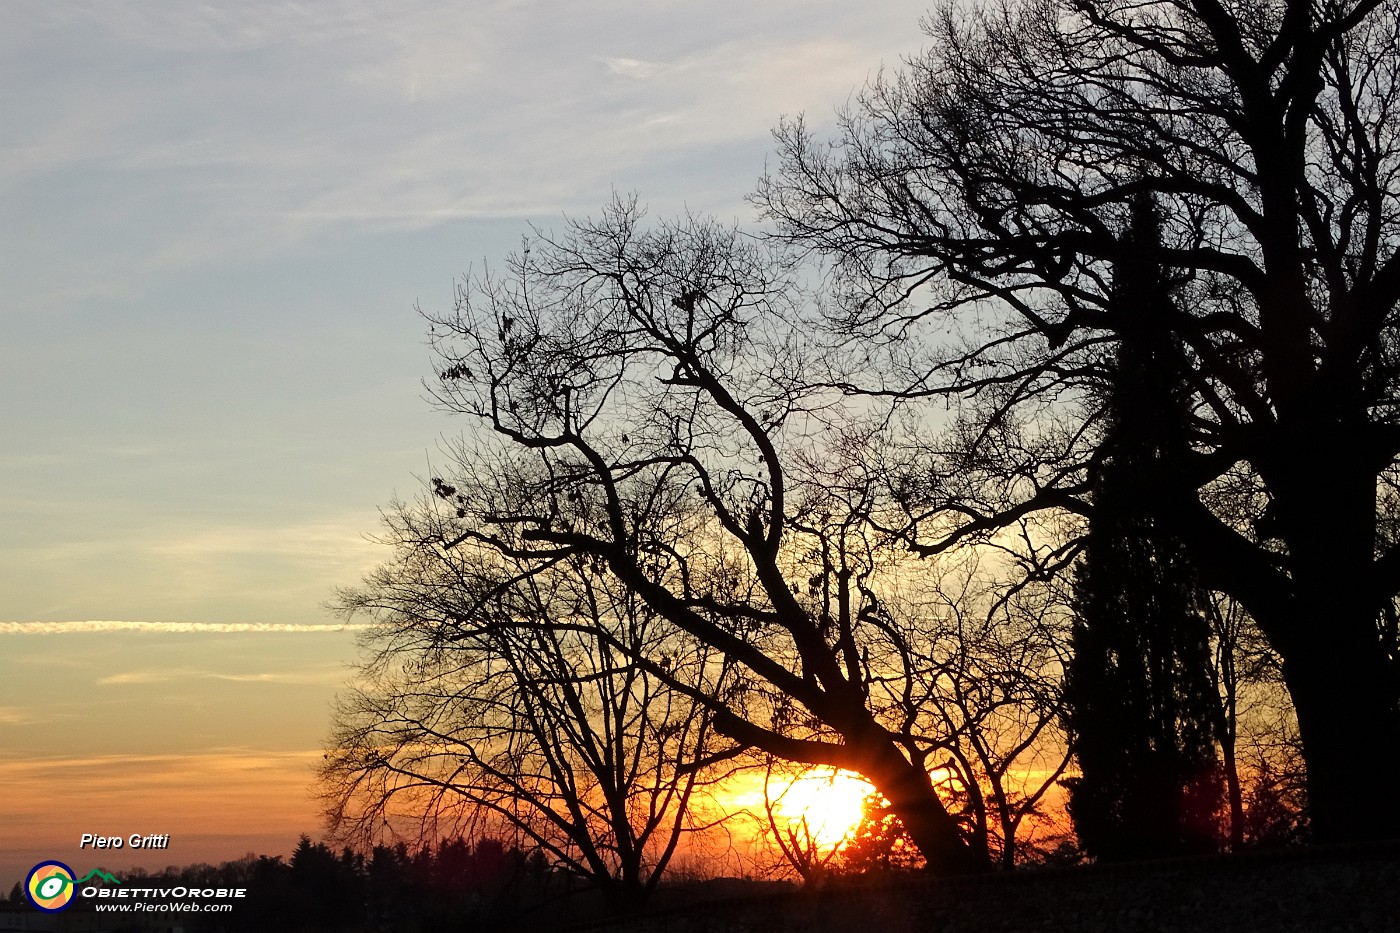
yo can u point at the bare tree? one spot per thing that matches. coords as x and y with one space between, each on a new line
1265 776
643 398
801 842
1227 621
497 701
999 697
978 199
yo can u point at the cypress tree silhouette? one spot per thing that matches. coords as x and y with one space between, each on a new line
1140 698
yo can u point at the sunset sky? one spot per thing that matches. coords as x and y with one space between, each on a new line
218 219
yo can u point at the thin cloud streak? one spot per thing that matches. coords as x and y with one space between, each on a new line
301 678
18 716
70 628
631 67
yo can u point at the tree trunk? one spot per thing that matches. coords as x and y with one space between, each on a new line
623 896
1349 729
1227 633
933 830
1333 658
1233 794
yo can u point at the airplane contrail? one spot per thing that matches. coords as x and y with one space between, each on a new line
67 628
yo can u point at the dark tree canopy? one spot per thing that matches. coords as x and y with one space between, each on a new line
973 208
1140 695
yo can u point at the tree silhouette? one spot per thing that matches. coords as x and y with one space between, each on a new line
324 889
972 213
504 700
1140 693
879 844
642 398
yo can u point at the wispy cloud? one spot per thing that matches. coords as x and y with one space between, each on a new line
631 67
336 674
335 543
410 114
17 716
71 628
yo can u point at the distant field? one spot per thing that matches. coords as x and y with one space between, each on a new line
1354 889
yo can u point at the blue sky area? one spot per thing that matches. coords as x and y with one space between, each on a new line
218 219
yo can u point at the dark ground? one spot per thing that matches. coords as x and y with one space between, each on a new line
1318 891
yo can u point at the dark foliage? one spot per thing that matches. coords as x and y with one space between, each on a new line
454 885
879 845
1140 694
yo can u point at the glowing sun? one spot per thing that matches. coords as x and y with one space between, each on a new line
828 800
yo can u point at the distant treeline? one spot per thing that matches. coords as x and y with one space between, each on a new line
454 884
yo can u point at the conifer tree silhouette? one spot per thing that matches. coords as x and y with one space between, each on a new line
1140 699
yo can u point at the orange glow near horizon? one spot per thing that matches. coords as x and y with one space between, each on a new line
828 801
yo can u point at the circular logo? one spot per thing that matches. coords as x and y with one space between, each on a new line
50 886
